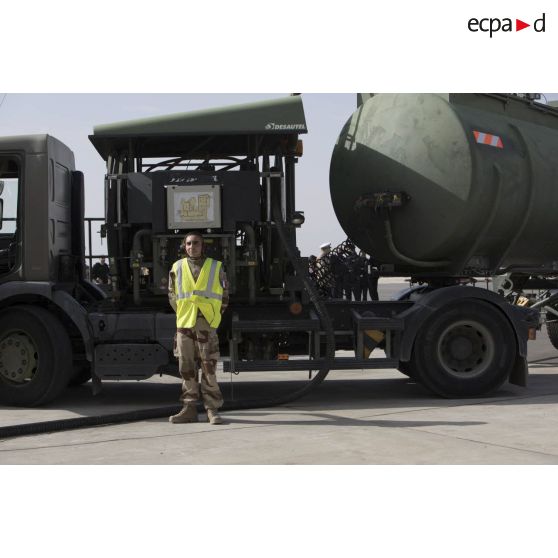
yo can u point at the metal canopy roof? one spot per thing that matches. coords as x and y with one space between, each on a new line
253 128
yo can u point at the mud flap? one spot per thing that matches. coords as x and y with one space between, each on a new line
519 373
96 384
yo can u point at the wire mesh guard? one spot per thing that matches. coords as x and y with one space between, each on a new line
339 270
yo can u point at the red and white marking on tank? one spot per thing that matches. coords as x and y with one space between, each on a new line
488 139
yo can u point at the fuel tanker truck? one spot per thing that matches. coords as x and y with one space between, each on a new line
440 188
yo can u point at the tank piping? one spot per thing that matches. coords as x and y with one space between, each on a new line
406 259
251 241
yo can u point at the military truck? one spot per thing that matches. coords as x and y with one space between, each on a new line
403 174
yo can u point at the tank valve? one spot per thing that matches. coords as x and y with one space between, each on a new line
382 200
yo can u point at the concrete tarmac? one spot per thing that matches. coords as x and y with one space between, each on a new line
374 417
354 417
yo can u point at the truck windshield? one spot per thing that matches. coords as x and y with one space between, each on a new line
9 187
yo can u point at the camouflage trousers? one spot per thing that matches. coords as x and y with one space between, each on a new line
199 348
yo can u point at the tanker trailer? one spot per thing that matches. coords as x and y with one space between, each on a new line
450 185
445 188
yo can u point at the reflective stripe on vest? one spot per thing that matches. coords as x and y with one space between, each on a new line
192 296
207 293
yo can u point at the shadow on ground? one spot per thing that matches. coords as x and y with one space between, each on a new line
378 393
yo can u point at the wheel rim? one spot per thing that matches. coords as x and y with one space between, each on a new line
466 349
18 358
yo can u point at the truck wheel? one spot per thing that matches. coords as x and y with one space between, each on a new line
552 330
35 356
464 350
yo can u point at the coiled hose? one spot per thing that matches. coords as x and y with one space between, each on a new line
145 414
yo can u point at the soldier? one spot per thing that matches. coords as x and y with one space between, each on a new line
373 276
312 266
362 291
325 249
199 295
313 269
100 272
352 274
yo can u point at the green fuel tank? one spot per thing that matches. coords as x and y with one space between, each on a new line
450 184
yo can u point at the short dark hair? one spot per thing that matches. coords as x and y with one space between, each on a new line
193 233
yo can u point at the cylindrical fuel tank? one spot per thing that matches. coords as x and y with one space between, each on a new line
450 184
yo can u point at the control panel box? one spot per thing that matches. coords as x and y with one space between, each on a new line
193 207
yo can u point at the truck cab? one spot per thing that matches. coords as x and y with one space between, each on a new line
43 327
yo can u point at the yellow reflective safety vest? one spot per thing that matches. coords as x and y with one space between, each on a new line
205 294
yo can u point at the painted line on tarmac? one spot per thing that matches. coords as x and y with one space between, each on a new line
484 443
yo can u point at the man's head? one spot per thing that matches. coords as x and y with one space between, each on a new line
325 247
102 260
193 244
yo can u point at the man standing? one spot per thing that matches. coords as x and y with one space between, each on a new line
100 272
352 273
362 291
199 295
373 277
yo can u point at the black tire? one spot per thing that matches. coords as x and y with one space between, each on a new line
465 349
552 330
35 356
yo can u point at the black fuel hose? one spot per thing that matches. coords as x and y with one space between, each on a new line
48 426
325 320
146 414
